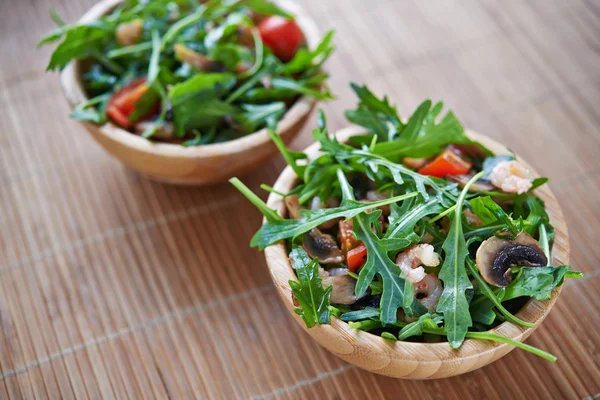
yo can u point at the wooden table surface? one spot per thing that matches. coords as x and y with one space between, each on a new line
112 286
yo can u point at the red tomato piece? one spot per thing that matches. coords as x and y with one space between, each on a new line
122 103
356 257
283 36
447 163
117 116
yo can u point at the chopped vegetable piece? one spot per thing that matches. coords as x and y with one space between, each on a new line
445 164
356 257
123 103
282 36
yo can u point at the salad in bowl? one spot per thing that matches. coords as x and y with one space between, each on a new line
189 74
419 237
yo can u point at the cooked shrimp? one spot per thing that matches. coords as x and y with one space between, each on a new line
129 32
511 177
428 291
411 259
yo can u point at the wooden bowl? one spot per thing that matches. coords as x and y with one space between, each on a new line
406 359
172 163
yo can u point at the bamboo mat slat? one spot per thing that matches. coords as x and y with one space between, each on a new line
112 286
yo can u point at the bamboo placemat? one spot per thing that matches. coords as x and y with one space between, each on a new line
112 286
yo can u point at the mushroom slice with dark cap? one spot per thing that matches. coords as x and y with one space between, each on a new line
316 243
322 246
495 256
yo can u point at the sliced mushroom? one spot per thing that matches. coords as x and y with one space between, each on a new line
343 289
196 60
316 243
480 185
470 150
291 202
322 246
414 163
495 256
129 32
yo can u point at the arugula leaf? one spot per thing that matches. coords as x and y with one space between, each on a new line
308 290
365 313
274 231
482 310
425 321
80 42
227 28
92 110
266 8
532 210
422 137
536 282
378 261
491 213
310 60
291 157
453 301
302 87
254 116
375 114
196 102
375 165
175 29
403 219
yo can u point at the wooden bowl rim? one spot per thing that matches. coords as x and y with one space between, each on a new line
429 353
73 87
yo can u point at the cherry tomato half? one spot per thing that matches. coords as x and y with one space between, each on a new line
356 257
447 163
283 36
122 103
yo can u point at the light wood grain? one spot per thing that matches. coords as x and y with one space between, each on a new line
406 359
113 286
173 163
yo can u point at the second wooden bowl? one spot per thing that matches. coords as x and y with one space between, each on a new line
172 163
406 359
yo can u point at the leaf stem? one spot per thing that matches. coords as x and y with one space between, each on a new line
574 275
443 214
365 325
123 51
258 45
520 345
109 64
270 189
269 213
497 338
544 242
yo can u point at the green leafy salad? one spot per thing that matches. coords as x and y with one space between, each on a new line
184 72
413 231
